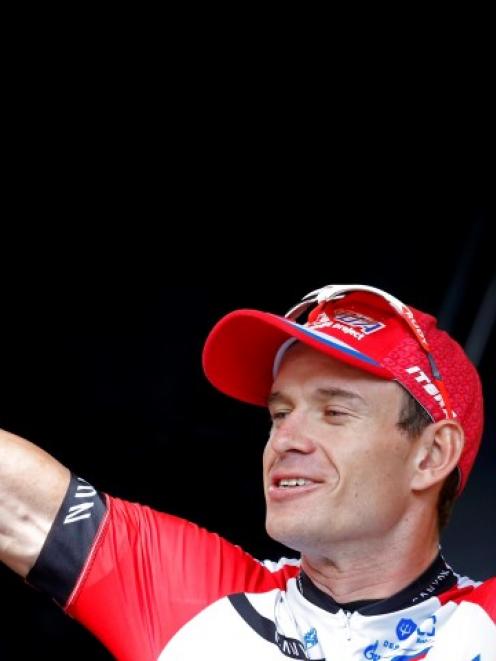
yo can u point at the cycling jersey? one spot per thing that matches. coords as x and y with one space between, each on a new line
153 586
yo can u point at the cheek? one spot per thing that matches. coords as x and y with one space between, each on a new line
383 471
267 459
266 453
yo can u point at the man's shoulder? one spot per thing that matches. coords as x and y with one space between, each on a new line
482 594
485 596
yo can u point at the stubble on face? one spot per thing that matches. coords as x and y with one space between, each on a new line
353 450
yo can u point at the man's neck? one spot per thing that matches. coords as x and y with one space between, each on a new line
371 569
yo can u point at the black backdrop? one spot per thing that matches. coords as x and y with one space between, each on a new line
101 365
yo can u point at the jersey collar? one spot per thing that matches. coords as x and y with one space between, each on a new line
437 578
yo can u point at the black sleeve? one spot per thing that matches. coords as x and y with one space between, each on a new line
69 542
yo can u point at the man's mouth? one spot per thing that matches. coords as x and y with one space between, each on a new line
281 488
286 483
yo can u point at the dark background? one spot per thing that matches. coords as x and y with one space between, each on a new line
101 359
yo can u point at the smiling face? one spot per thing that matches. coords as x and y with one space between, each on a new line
337 468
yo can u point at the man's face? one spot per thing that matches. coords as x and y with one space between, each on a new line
337 468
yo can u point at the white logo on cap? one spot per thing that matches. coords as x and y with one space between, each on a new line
429 387
365 324
348 322
321 322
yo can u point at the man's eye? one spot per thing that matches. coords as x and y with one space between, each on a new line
332 413
278 415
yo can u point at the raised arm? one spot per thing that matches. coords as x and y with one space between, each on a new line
32 488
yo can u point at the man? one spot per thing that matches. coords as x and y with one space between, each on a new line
376 422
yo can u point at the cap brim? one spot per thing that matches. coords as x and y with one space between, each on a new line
239 353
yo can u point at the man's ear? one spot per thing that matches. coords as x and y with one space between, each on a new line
438 452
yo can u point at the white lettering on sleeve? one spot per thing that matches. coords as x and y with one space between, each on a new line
76 513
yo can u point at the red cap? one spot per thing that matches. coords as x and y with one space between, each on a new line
362 330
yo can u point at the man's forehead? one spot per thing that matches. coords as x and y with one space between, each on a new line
321 393
305 359
323 376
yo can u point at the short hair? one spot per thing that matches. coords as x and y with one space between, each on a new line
413 420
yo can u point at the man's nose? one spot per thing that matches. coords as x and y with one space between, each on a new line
292 434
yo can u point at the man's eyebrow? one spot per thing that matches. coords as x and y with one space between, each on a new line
321 393
339 392
275 397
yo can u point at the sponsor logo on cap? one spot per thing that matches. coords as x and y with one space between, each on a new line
349 322
430 388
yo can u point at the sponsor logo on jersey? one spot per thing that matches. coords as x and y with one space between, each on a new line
370 652
428 629
405 628
289 646
310 638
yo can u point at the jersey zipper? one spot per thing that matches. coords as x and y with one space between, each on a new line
347 615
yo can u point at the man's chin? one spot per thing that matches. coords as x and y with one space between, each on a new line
287 535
